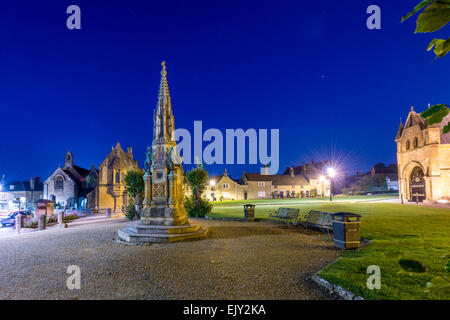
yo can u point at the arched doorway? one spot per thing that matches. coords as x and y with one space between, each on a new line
417 185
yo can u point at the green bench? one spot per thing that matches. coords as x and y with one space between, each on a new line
287 214
319 220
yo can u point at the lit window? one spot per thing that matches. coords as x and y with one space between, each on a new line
11 187
261 194
226 195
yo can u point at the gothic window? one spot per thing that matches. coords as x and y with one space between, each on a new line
408 145
416 142
59 183
118 177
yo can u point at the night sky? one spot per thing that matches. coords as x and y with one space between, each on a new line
309 68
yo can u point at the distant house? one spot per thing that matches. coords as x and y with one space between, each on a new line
362 182
390 173
317 176
70 186
223 187
25 192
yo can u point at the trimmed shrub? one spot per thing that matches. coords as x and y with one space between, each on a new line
199 210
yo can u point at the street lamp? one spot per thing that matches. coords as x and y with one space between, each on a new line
21 199
212 183
331 173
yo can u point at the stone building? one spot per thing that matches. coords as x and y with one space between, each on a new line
316 176
306 183
69 187
390 173
289 185
423 157
223 187
25 192
110 191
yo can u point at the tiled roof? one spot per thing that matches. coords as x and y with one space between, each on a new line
310 170
278 179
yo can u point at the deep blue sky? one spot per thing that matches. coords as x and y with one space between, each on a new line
310 68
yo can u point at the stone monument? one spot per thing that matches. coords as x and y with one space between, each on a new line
164 217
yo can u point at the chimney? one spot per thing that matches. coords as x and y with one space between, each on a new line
292 171
358 173
32 184
266 169
312 161
130 152
3 179
225 173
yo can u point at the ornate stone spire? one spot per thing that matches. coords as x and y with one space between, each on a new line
164 217
164 118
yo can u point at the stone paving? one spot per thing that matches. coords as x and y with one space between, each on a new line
238 260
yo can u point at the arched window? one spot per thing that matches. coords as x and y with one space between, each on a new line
408 145
118 177
416 142
59 183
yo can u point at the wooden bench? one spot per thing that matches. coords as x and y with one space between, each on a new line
319 220
286 214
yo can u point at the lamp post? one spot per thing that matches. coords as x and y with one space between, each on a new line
331 174
20 201
212 183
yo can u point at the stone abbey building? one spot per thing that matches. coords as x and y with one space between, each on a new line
110 191
423 156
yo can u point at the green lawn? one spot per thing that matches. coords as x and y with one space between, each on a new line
395 232
288 201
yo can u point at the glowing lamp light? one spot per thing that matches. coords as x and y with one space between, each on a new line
443 201
212 183
322 178
331 172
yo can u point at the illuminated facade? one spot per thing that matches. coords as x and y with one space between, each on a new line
110 191
423 156
69 187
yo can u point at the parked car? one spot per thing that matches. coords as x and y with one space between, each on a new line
9 221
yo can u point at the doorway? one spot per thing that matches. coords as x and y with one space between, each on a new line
417 185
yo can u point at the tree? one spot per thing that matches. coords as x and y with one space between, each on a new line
195 205
134 185
371 183
197 179
435 16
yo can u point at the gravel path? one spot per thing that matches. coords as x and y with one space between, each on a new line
238 260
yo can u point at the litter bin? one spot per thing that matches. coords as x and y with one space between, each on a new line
346 230
249 212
